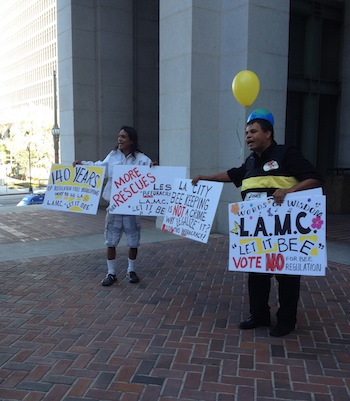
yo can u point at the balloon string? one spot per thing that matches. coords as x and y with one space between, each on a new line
238 135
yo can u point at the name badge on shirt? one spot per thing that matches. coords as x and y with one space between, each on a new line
272 165
255 195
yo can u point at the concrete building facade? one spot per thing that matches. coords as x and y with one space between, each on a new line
166 67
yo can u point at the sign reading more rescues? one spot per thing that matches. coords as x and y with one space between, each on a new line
191 209
285 239
74 189
142 190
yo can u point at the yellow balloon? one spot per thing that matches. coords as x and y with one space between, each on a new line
246 87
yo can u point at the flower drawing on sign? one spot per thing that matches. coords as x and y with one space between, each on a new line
235 208
317 223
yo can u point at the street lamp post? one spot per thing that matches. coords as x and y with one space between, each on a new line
30 169
56 139
55 129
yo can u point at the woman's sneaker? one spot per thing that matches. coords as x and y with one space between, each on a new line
133 278
109 280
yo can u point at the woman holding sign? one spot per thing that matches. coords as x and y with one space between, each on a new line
126 152
270 170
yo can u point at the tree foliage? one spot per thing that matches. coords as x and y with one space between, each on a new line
28 143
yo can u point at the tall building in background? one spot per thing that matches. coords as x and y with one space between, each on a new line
28 55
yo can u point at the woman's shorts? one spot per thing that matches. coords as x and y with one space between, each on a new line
116 224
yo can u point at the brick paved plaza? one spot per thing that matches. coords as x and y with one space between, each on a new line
173 336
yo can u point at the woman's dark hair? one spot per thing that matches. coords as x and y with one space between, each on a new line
135 147
264 124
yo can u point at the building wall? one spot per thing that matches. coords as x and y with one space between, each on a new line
203 45
146 74
107 59
95 76
108 75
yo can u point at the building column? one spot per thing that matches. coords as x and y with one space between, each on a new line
95 73
203 45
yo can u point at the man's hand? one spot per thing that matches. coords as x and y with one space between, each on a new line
279 195
196 179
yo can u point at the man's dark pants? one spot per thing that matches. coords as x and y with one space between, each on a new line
259 285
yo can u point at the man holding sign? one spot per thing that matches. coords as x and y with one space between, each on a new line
270 170
126 152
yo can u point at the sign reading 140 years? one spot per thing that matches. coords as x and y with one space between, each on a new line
74 189
285 239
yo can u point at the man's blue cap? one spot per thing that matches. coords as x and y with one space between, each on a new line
264 114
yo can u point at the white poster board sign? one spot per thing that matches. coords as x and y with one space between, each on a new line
285 239
74 189
142 190
191 209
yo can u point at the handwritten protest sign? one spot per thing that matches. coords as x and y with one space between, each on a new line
285 239
74 189
142 190
191 209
